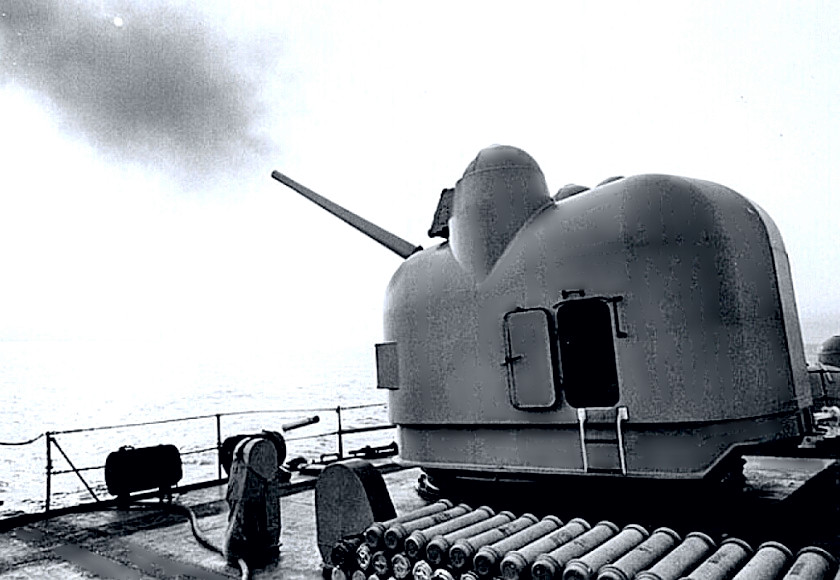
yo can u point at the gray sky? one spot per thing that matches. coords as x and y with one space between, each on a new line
138 140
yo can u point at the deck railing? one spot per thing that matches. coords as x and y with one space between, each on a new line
340 432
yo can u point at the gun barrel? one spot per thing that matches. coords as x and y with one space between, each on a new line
298 423
391 241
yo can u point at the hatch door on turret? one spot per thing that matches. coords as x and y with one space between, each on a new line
585 331
530 358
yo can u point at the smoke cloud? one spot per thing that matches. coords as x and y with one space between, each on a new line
144 81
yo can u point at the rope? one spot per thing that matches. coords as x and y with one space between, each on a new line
33 440
199 535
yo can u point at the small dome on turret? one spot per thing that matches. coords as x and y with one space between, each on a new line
830 352
502 188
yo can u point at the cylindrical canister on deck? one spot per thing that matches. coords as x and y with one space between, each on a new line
723 563
462 551
657 545
767 562
678 561
375 532
518 561
551 565
812 563
337 573
358 575
586 566
487 558
417 540
438 547
469 575
398 532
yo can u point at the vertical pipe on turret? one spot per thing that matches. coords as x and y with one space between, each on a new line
811 563
657 545
691 551
517 562
549 566
588 565
767 563
486 559
721 565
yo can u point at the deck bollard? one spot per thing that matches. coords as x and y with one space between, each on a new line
337 574
438 547
767 563
551 565
691 551
722 565
375 532
462 551
657 545
358 575
811 563
417 540
487 558
588 565
518 561
397 533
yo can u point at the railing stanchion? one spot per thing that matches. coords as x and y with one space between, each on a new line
340 439
219 444
49 471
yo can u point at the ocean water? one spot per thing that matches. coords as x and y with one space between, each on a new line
59 386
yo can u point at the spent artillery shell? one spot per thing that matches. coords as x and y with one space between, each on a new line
689 553
380 564
768 562
462 551
417 540
549 566
487 558
811 563
401 566
587 566
517 562
363 557
438 547
374 532
657 545
421 570
345 550
721 565
397 533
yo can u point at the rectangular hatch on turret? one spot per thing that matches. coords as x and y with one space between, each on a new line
530 358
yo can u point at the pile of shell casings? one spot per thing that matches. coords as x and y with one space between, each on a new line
445 542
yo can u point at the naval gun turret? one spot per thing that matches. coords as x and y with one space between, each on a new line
645 328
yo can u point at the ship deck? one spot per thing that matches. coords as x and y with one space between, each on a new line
145 542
